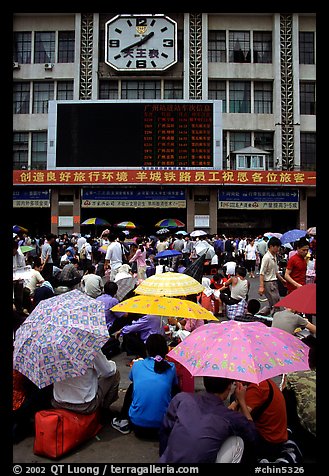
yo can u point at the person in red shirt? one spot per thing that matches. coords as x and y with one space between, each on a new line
295 274
217 282
271 421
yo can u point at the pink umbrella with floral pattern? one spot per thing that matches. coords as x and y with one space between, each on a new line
247 351
60 338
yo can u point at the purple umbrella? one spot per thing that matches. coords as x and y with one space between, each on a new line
167 254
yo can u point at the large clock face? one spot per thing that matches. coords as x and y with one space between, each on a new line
141 42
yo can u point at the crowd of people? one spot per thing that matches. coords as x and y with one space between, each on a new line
228 421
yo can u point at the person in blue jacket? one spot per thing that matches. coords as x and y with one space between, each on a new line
154 383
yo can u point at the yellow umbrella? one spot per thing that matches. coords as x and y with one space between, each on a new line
169 284
164 306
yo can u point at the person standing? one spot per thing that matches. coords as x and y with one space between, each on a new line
140 258
113 257
295 274
47 259
251 256
262 247
269 276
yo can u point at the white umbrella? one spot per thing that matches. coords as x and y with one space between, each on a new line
198 233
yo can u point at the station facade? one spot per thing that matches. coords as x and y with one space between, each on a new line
257 173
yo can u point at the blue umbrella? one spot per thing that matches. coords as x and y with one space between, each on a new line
167 254
292 235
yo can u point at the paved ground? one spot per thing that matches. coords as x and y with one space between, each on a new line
110 446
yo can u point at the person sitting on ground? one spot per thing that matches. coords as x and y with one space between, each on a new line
181 266
97 388
207 298
229 268
135 334
114 320
289 320
44 291
154 382
236 287
35 280
203 423
70 276
92 284
271 421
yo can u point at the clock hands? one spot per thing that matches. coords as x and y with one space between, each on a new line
139 42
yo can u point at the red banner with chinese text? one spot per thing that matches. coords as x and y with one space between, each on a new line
163 177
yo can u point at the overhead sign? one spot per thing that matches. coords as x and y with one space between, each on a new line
31 198
133 198
253 199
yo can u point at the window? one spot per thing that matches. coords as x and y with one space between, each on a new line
216 46
239 47
42 93
180 46
264 141
307 151
66 46
250 162
140 90
307 98
21 98
239 140
263 97
217 90
240 96
20 150
39 151
108 90
173 90
306 47
262 47
44 48
64 90
22 47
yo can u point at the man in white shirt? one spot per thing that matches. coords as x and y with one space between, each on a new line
98 387
113 257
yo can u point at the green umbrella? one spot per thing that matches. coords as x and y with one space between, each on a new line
25 249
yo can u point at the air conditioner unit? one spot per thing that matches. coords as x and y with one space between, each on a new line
16 65
49 66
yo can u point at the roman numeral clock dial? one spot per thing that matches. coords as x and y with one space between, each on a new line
141 42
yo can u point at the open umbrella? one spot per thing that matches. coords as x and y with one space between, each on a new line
247 351
60 338
195 269
25 249
292 235
95 221
164 306
170 223
312 230
126 224
302 299
163 231
196 233
169 284
167 254
18 229
269 234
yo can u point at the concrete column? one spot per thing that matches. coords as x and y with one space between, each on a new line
303 210
54 211
213 206
76 210
190 209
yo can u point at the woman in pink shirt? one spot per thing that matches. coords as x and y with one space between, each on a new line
140 258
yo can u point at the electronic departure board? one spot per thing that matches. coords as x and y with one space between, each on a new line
141 134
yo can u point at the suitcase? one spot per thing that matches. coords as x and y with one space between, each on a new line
58 431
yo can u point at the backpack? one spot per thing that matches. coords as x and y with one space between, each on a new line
125 254
83 252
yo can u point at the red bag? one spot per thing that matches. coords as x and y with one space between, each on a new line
57 431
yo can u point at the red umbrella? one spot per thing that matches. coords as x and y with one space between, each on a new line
303 299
